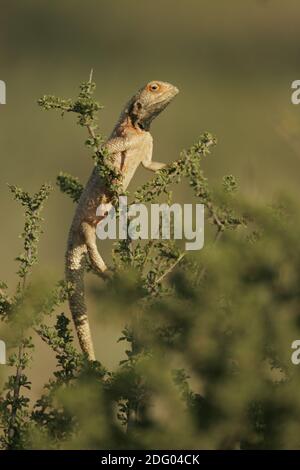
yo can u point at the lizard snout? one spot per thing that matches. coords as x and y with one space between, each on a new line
173 90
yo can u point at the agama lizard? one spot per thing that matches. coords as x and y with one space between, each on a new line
129 145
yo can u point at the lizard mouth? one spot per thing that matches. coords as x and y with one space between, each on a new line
151 111
164 102
145 122
170 95
175 91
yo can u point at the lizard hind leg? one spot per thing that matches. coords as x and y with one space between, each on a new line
94 255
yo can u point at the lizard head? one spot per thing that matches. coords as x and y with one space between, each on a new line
150 101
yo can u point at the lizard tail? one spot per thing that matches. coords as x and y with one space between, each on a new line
75 268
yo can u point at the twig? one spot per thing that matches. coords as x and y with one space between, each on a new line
170 268
91 76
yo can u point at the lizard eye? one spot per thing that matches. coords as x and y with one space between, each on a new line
153 86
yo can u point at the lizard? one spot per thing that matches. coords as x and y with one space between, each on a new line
129 145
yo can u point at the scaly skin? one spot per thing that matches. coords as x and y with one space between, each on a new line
129 145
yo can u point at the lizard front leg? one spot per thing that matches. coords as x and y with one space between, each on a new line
149 164
154 166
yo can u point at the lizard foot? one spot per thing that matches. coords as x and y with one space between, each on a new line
108 274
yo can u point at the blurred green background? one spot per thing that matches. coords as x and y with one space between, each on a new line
233 62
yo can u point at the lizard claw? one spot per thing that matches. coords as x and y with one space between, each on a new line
108 274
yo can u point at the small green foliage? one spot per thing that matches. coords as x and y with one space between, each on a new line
181 379
5 301
189 166
14 414
56 422
109 173
86 108
60 339
230 184
70 185
32 228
